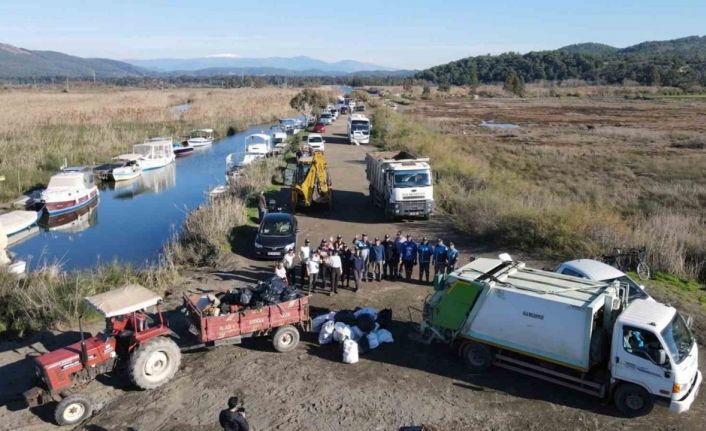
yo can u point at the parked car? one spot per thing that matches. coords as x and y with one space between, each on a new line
325 118
319 128
360 108
599 271
276 235
316 142
334 113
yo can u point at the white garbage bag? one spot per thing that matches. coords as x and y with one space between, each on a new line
373 341
350 351
356 333
318 321
326 333
341 332
367 310
384 336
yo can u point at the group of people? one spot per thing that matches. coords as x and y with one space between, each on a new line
334 263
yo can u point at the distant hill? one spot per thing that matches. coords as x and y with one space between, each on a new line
23 63
304 64
273 71
678 62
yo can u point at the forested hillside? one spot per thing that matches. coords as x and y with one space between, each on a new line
679 63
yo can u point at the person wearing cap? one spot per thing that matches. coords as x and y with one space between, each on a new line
452 258
399 241
335 268
312 266
304 254
387 268
358 265
364 247
439 256
290 266
377 253
409 256
425 251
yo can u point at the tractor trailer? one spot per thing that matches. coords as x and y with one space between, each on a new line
581 334
400 183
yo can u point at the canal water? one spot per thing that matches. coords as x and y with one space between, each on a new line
131 220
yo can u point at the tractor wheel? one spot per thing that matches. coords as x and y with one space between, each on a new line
73 409
478 357
154 363
286 339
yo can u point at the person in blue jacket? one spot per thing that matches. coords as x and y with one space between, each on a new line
399 241
425 251
451 258
409 256
439 257
377 256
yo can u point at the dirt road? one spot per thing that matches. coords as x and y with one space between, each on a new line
310 389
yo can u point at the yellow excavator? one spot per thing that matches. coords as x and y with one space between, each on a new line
312 182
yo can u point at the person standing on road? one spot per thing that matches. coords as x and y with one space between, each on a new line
425 252
312 266
261 207
324 253
347 261
409 256
439 257
377 253
304 254
364 247
233 418
336 269
280 271
451 258
399 241
388 245
290 267
358 268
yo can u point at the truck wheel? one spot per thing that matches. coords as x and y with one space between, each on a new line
73 409
477 357
632 400
154 363
286 338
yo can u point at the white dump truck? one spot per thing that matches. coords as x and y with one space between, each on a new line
574 332
400 183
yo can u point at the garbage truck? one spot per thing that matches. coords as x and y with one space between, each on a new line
400 183
585 335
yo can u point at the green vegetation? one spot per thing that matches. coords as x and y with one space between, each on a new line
689 290
309 102
678 63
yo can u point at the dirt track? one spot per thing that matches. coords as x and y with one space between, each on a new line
310 389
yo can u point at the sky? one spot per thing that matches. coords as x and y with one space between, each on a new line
402 34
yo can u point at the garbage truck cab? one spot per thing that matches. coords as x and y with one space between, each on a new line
582 334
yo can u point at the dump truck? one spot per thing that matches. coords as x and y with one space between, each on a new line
400 184
582 334
147 348
311 182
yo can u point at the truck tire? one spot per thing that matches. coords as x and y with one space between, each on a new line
632 400
478 357
73 409
154 363
286 339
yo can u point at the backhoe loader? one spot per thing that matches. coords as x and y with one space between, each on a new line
312 182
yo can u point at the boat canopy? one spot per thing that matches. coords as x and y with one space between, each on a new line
71 179
124 300
130 157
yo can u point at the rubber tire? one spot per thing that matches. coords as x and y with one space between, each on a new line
283 333
643 271
66 402
478 357
625 390
138 361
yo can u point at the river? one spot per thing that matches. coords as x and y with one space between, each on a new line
130 221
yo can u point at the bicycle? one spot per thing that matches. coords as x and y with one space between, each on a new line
632 259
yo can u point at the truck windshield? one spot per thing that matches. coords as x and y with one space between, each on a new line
678 338
419 178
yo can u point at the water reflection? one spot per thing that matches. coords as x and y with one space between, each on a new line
155 181
73 222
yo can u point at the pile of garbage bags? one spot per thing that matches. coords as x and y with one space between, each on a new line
357 331
270 292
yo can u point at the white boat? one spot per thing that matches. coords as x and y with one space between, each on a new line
155 152
218 191
69 190
121 168
279 138
16 221
200 138
259 143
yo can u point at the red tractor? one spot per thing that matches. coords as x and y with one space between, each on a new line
131 337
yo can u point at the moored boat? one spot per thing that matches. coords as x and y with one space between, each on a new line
155 152
182 150
200 138
16 221
69 190
121 168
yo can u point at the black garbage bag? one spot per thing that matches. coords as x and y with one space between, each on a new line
365 322
363 345
385 318
224 307
345 316
270 296
246 295
289 294
257 303
276 285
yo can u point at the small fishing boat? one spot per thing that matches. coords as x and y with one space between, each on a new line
121 168
14 222
72 222
155 152
69 190
259 143
217 192
181 150
200 138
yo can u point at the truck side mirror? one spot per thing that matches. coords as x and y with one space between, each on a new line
661 357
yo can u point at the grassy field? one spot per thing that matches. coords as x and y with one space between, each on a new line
580 176
39 129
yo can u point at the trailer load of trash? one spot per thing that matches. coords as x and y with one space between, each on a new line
357 331
270 292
